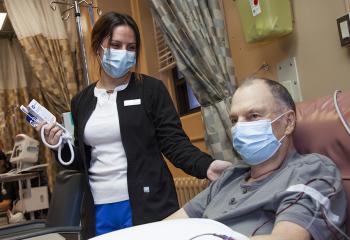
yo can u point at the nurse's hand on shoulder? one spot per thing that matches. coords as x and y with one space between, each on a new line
52 132
216 168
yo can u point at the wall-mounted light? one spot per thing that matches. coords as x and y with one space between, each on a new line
2 19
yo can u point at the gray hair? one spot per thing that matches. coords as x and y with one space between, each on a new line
277 90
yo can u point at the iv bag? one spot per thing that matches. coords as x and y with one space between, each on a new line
265 19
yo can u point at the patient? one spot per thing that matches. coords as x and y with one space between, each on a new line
254 200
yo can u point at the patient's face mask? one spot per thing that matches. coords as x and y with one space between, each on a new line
255 141
116 62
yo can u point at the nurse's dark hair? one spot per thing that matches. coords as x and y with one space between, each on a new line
277 90
105 26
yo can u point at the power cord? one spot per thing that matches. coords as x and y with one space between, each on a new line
342 119
329 222
223 237
3 189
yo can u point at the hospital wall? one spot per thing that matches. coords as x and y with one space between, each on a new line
323 65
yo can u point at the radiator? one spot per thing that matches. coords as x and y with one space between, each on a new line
188 187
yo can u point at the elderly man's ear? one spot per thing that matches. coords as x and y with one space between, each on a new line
291 120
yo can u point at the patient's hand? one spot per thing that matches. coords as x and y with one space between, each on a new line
216 168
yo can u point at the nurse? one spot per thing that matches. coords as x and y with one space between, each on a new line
124 124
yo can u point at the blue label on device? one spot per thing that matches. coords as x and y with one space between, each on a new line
32 120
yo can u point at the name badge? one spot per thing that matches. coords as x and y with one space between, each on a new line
146 189
132 102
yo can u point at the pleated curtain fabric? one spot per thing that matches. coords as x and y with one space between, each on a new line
42 34
195 32
18 85
43 38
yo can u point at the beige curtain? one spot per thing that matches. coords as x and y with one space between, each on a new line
18 85
15 79
43 37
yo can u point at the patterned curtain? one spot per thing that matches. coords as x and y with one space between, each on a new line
195 32
43 37
18 85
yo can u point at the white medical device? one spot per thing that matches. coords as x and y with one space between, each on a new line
37 114
25 150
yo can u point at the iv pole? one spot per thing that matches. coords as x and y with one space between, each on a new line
65 15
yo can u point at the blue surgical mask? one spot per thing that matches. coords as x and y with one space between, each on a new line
117 63
255 141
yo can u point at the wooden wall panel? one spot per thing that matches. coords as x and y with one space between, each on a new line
121 6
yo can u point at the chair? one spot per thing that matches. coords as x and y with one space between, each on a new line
63 215
319 129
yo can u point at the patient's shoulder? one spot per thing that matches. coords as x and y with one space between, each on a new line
314 164
311 159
